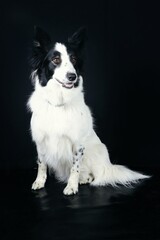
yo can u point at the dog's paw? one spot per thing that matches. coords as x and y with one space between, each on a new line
87 180
70 189
38 184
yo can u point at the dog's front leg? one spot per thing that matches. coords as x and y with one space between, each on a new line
41 176
72 186
42 171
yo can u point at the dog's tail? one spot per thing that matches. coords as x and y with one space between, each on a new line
116 174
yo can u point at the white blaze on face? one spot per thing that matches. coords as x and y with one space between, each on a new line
65 67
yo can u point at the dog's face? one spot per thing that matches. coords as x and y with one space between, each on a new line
60 62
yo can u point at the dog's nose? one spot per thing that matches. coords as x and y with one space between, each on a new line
71 76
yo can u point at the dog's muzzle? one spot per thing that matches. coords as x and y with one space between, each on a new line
72 79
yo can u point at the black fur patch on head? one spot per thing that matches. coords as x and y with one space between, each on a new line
75 47
46 71
43 51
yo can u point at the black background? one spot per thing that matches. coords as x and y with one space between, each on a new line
122 87
122 74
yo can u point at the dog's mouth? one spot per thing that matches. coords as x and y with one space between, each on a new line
68 85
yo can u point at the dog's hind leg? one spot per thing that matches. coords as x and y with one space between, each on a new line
72 186
85 178
42 171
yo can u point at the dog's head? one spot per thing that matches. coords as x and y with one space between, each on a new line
60 62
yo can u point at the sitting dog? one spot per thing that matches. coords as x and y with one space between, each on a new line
62 123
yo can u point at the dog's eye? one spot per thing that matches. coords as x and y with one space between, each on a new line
73 60
56 60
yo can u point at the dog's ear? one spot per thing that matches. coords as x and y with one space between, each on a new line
41 38
40 47
78 38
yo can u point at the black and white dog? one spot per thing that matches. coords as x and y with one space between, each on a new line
62 124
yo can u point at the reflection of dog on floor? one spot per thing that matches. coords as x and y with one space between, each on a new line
62 124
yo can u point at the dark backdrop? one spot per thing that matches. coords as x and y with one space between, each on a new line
122 74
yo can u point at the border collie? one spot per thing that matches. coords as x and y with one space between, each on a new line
62 123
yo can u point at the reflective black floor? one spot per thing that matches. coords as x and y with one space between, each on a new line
94 213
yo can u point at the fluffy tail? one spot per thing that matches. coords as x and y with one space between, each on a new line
116 174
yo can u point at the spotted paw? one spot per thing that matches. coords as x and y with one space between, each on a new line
70 190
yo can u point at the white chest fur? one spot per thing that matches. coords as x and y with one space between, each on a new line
71 121
67 117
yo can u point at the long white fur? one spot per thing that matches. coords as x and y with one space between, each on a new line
62 122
